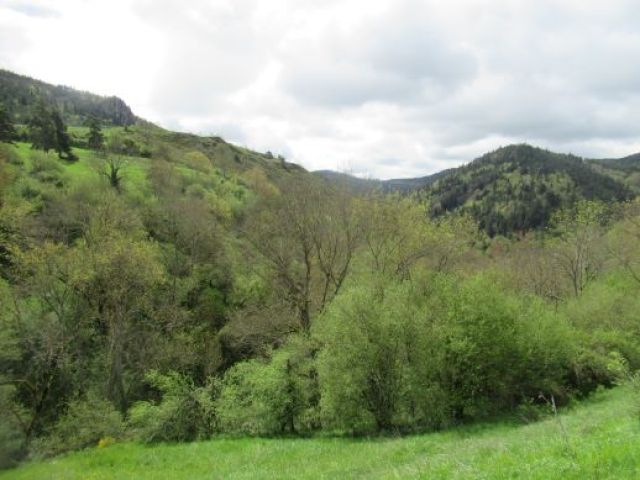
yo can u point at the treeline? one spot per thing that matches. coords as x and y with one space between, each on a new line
17 93
170 300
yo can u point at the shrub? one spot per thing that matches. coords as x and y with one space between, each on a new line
423 355
12 444
272 396
46 169
9 154
377 365
85 422
185 413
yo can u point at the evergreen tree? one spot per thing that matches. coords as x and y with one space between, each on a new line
47 130
7 130
95 138
62 139
42 131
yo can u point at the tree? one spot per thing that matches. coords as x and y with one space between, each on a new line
624 240
114 160
47 130
7 130
398 236
62 140
308 236
42 131
95 137
578 252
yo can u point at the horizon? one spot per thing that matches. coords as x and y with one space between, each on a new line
384 90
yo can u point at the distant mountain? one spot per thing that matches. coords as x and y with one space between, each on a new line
404 185
409 184
518 187
18 92
350 181
515 188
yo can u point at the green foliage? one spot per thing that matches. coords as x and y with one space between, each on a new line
413 355
273 396
184 413
95 138
7 130
518 188
17 91
85 422
203 263
47 131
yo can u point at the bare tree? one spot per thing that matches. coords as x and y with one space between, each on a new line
308 236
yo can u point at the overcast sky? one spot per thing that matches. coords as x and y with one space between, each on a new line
383 88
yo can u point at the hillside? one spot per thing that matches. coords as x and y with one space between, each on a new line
626 170
17 93
518 187
410 184
161 287
515 188
601 442
404 185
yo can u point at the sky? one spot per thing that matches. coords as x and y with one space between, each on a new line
377 88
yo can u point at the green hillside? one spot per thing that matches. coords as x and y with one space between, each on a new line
596 440
180 300
17 93
517 188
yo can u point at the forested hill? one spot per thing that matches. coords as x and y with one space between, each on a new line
518 187
17 94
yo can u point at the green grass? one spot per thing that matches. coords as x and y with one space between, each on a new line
86 167
603 442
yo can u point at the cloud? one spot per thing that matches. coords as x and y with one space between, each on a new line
32 9
388 88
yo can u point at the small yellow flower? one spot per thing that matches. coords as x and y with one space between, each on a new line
106 441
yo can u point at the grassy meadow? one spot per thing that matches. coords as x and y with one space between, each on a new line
602 441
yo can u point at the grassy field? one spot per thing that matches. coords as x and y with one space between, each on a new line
602 441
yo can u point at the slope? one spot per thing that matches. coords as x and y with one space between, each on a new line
17 93
598 439
518 187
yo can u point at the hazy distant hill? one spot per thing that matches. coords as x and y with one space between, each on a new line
17 93
409 184
352 182
403 185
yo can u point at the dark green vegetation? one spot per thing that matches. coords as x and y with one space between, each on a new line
517 188
596 440
514 189
17 94
165 287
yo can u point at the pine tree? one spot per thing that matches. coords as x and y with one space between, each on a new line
42 131
95 138
62 141
47 130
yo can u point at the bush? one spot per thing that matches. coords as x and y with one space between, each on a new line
377 366
422 355
85 422
266 397
12 440
185 413
46 169
9 154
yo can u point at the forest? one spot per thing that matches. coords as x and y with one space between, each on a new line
165 287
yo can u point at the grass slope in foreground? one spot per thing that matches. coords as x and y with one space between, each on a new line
602 442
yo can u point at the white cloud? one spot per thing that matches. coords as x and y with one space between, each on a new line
387 88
